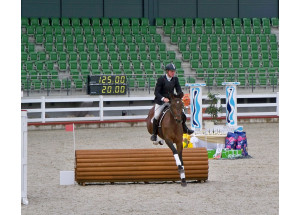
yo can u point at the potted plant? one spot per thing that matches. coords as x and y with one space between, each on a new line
213 108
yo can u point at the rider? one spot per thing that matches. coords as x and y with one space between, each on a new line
165 85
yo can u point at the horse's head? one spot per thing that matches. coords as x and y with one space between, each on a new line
176 106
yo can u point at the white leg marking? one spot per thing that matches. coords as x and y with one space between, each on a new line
182 175
178 162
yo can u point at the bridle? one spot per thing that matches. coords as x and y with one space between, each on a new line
176 116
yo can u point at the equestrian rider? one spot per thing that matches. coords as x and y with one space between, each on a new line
165 85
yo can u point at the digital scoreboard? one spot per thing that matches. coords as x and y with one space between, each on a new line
107 85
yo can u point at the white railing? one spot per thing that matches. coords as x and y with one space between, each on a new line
104 113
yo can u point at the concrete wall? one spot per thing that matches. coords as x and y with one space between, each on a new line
150 8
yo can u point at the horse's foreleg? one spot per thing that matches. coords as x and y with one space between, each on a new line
181 171
178 160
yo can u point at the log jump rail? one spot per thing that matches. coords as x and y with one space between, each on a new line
138 165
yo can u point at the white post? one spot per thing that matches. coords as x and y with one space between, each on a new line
24 199
101 108
43 109
196 105
277 103
231 103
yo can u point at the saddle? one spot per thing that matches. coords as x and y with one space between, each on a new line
162 114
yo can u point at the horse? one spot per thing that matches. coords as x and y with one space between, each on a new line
171 130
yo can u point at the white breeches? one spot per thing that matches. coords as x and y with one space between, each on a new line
158 109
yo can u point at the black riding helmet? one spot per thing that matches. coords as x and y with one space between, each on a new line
170 66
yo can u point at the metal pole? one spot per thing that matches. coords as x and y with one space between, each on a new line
273 82
252 83
149 84
48 86
67 86
128 86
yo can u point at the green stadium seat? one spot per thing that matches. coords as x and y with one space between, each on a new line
255 63
198 21
233 38
265 22
95 21
273 46
225 63
55 21
237 29
159 22
198 29
256 21
105 21
65 21
75 21
169 22
274 55
247 22
188 22
24 21
235 63
178 21
30 30
34 21
218 30
115 21
85 21
275 22
208 21
237 22
227 22
257 30
275 63
228 29
124 21
208 29
186 55
218 22
135 22
171 55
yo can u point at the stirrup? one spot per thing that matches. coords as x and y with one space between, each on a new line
153 137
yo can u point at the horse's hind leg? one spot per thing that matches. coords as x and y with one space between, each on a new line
179 163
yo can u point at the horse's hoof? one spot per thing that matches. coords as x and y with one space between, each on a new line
161 142
183 183
155 143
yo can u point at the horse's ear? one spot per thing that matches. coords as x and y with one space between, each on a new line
181 95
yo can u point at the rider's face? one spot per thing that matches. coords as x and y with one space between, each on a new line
171 73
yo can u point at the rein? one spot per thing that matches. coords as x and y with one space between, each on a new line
174 116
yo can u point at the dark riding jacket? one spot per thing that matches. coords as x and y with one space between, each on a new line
164 87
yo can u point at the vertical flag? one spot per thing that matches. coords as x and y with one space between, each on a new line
69 127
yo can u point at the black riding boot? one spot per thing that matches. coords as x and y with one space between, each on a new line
186 130
155 130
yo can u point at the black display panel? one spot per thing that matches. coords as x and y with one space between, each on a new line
107 85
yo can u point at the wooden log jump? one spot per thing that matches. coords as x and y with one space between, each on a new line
138 165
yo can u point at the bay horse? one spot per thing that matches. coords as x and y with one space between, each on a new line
171 130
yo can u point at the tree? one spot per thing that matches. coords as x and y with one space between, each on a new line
213 108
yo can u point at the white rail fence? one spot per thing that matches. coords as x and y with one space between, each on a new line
106 113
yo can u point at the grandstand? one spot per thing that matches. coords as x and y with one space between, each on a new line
59 53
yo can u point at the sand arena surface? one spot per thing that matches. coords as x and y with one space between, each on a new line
243 186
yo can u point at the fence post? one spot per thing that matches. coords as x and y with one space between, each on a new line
101 107
48 86
43 109
24 199
277 103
